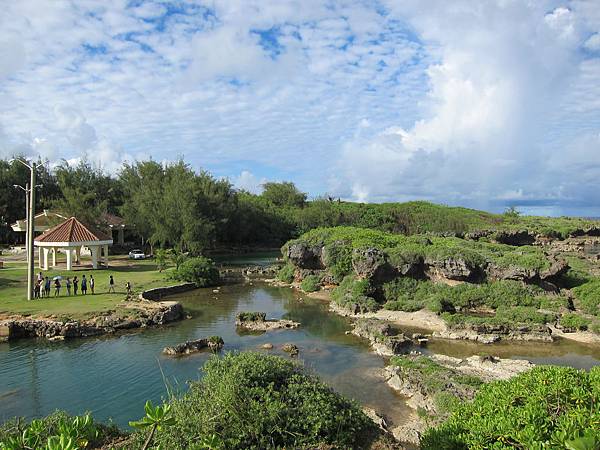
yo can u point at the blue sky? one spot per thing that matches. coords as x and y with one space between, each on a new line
482 104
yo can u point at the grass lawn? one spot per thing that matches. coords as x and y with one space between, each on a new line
13 288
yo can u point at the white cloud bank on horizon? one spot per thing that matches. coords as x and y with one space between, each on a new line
482 104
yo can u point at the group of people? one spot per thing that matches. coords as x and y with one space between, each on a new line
43 285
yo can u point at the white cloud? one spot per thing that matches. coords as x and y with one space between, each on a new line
451 101
247 181
593 42
505 74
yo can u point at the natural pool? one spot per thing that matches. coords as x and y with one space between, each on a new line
113 376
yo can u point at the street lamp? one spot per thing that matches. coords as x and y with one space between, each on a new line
30 218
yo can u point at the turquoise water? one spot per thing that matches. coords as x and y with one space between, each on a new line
113 376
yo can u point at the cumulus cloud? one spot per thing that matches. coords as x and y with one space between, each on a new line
247 181
503 74
460 102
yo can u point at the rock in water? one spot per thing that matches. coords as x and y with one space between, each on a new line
291 349
256 321
214 343
384 339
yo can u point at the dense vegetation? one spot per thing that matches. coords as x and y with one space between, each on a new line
174 206
255 401
375 269
547 407
198 270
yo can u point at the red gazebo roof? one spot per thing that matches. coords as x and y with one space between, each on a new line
72 230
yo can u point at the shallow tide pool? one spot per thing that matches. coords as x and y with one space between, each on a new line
113 376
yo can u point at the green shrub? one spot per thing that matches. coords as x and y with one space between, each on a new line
554 303
404 303
508 316
256 401
588 296
46 432
541 408
251 316
521 314
355 294
199 270
311 283
337 257
574 321
286 273
399 288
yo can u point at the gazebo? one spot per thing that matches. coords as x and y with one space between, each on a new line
70 236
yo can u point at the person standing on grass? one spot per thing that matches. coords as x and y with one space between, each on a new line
75 285
36 289
56 287
68 284
40 277
111 284
47 288
83 285
128 287
92 282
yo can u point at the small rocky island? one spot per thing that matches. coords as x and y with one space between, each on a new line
213 343
257 321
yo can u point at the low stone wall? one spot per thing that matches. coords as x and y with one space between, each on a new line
158 293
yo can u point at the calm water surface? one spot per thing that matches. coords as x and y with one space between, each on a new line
113 376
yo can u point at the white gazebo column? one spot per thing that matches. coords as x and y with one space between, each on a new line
94 250
46 251
106 255
40 252
69 252
78 255
54 256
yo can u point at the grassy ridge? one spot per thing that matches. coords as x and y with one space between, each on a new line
424 217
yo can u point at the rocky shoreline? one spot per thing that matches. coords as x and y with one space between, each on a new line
131 315
142 315
423 394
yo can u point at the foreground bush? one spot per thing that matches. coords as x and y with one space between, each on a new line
545 408
200 270
255 401
58 431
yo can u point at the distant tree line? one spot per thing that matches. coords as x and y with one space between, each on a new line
175 206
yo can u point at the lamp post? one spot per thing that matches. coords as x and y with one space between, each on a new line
30 228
